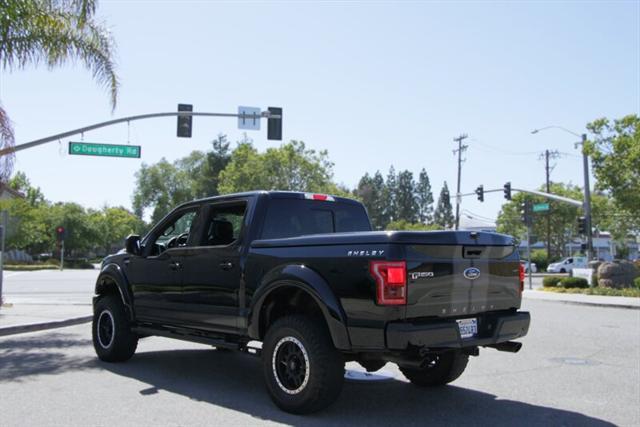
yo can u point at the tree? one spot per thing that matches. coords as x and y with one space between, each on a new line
443 215
372 192
207 179
391 210
407 207
410 226
28 226
113 225
54 32
615 155
380 219
424 198
21 183
162 186
290 167
80 235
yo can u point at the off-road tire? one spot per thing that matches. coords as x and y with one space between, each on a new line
443 369
301 347
113 339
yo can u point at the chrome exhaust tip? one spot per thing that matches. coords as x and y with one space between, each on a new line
509 346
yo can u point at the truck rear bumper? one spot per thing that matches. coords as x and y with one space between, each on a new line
492 329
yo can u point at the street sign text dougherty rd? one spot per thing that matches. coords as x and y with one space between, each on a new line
104 150
541 207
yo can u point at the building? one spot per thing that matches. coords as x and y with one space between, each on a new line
7 193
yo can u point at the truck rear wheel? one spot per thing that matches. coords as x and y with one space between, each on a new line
303 370
441 369
113 339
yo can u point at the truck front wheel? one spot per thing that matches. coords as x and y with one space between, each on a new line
440 369
303 370
113 339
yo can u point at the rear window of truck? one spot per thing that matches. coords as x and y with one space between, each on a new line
294 217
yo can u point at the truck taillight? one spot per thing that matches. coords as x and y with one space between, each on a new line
391 281
521 271
320 197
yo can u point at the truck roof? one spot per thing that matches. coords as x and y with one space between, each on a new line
273 194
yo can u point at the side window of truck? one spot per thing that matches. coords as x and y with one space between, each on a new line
174 234
223 224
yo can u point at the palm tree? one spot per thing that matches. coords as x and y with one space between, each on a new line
52 32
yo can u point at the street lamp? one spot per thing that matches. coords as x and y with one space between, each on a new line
587 191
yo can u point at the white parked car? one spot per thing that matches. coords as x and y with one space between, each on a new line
567 264
525 264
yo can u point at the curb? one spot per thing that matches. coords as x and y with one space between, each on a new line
41 326
590 303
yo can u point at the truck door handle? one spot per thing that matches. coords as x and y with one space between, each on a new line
226 265
175 265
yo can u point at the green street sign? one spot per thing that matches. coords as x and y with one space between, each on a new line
104 150
541 207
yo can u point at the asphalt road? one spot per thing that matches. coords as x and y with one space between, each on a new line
579 366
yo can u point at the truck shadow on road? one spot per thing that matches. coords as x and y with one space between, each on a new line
25 356
235 381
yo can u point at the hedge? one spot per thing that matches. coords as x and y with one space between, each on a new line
551 281
573 282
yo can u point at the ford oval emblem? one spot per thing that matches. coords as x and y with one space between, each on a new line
471 273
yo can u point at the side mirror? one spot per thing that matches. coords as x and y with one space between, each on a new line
132 244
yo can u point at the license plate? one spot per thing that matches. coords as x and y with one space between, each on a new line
468 327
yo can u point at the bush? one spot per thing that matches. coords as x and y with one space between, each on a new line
574 282
633 293
551 281
636 282
31 267
539 258
81 264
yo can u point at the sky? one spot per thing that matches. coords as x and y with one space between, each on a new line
374 83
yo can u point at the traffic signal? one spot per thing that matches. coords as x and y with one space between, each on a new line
525 212
60 233
480 193
507 191
274 126
185 122
582 225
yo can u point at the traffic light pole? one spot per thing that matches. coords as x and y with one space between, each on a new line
61 255
573 202
9 150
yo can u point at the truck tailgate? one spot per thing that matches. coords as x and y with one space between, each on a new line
458 280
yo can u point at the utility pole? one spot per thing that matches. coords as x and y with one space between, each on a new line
587 197
460 150
549 155
586 205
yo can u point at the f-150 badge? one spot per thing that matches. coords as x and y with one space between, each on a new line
421 274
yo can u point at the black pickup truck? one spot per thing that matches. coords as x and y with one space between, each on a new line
305 275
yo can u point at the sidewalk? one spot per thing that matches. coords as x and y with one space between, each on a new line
594 300
21 318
